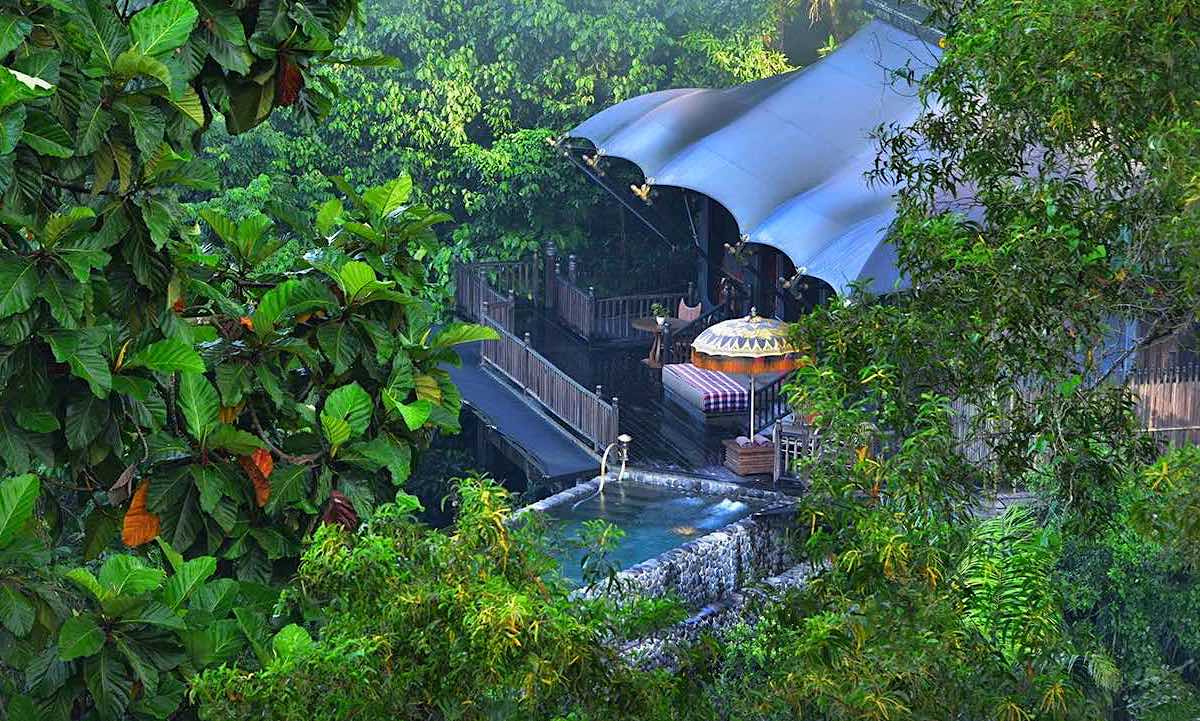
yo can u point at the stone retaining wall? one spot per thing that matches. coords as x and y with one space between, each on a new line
661 648
709 568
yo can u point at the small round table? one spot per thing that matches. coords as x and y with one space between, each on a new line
650 325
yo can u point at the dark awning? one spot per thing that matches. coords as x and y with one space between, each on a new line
786 155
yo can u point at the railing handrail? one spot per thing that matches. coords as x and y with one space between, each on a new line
605 428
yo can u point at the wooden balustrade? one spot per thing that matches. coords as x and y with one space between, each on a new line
576 308
583 411
613 317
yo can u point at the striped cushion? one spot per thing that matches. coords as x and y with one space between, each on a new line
720 392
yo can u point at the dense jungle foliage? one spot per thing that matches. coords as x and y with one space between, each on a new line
226 228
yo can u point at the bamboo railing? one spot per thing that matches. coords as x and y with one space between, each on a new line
583 411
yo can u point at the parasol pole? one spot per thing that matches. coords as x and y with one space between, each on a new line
752 408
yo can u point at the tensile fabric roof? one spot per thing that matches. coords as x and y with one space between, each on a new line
787 156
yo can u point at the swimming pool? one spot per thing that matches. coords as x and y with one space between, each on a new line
655 519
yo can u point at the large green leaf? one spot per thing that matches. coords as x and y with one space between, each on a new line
93 128
133 63
385 451
330 212
87 417
238 442
65 295
340 344
250 103
289 299
65 225
163 26
288 485
155 614
167 356
291 641
46 135
200 405
337 430
79 637
234 380
146 121
18 284
385 199
105 35
352 404
182 522
458 333
124 575
12 121
216 642
17 498
110 685
13 29
189 577
17 87
83 253
82 351
16 612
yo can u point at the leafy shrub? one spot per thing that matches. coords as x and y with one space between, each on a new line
467 623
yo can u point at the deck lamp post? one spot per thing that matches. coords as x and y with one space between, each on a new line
752 345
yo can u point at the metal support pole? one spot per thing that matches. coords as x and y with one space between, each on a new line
751 408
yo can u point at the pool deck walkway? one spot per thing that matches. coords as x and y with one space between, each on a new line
555 453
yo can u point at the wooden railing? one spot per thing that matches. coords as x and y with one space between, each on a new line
575 307
792 441
582 411
770 403
476 298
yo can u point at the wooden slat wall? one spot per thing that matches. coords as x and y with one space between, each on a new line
1169 402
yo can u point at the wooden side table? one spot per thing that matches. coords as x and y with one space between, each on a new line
650 324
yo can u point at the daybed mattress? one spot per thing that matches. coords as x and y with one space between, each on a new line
710 392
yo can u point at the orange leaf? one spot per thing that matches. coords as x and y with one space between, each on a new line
228 414
258 467
246 322
141 526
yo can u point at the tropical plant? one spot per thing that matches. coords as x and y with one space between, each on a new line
467 623
169 384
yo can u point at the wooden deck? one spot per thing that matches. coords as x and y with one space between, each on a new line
665 436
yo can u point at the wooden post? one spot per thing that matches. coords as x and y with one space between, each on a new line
525 376
664 346
775 441
572 268
616 419
549 278
599 443
691 294
591 314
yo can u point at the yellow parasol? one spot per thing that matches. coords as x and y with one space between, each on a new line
750 345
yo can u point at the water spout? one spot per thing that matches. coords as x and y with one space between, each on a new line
623 444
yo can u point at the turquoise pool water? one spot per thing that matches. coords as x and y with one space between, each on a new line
655 519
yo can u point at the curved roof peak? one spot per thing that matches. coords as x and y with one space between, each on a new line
786 155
